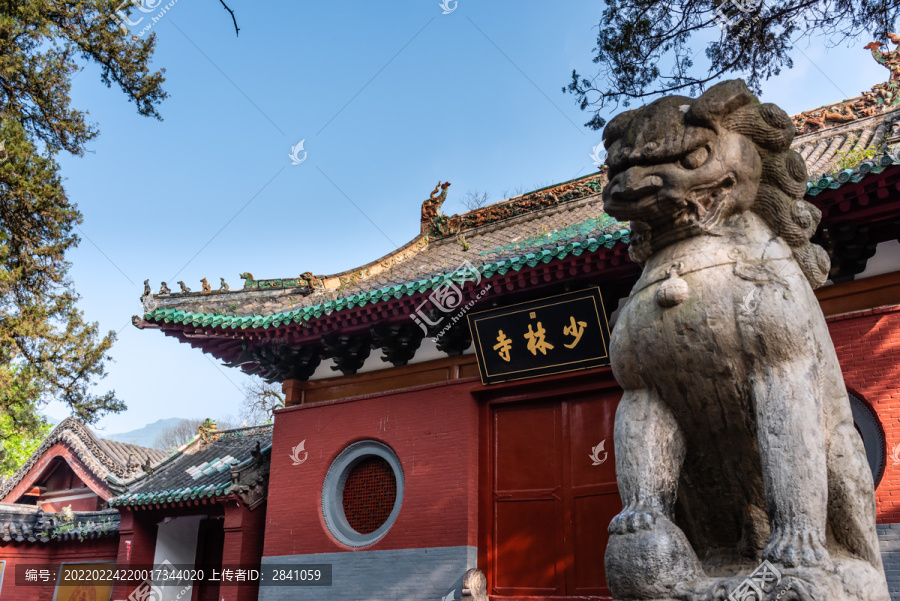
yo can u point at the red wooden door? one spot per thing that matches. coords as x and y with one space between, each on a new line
553 497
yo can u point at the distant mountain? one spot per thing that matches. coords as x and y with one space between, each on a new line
145 436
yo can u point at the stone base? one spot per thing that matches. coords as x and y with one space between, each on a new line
850 580
659 564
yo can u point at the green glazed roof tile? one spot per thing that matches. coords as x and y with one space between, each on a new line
304 314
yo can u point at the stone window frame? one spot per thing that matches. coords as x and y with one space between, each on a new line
868 422
333 489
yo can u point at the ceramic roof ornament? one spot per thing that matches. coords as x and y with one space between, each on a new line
882 98
734 440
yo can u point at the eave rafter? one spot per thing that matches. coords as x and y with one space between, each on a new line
856 217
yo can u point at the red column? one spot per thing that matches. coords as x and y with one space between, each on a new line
243 547
137 544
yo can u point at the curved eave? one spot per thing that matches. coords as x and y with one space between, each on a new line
167 497
163 317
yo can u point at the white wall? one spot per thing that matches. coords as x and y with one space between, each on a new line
885 260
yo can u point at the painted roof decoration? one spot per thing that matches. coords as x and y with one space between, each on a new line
846 140
103 458
28 523
211 465
437 225
882 99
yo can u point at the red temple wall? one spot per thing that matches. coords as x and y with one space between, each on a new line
49 555
868 347
434 433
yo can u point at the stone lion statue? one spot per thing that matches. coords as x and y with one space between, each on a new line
737 459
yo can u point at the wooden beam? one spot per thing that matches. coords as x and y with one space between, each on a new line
384 380
859 295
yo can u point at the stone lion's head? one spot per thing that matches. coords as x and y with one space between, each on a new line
681 167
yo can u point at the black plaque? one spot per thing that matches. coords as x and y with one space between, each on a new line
553 335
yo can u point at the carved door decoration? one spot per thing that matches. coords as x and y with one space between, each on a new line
551 502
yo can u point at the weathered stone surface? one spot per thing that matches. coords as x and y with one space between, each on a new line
734 439
474 585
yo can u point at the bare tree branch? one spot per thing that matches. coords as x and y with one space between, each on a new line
261 399
475 200
176 435
237 30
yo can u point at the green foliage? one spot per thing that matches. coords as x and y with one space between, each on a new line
851 158
47 349
647 48
82 529
17 444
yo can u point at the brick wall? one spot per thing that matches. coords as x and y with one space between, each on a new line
433 431
243 541
868 347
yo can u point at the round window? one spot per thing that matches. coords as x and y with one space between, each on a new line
869 427
362 493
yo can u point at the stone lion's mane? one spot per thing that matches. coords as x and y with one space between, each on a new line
779 201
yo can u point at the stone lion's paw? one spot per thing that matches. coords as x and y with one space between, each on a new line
796 547
634 518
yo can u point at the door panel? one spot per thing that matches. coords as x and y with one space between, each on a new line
527 453
592 517
590 424
527 501
553 496
530 549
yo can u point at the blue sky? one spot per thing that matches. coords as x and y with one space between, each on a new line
389 97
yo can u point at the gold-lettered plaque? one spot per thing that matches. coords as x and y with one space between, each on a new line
553 335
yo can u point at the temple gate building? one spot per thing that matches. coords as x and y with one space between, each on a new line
450 405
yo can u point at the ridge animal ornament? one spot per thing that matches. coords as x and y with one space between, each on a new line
734 439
